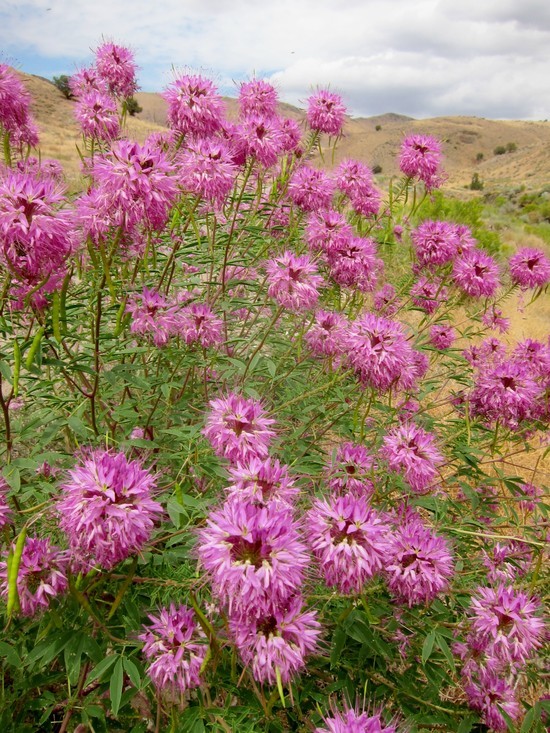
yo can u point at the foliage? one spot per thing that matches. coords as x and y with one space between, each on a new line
62 83
476 183
132 106
162 341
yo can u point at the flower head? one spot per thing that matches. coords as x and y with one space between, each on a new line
380 353
194 106
490 694
435 243
355 264
428 294
310 188
277 641
420 563
238 429
326 113
5 510
197 323
350 470
420 158
530 268
506 623
253 555
206 169
97 115
116 66
351 721
412 450
173 647
42 575
348 538
106 509
476 273
327 231
325 335
442 336
15 115
261 482
257 97
153 315
293 281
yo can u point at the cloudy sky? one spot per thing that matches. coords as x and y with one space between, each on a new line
422 58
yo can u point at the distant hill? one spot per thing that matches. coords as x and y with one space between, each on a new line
374 140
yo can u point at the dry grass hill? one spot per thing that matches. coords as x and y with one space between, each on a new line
374 140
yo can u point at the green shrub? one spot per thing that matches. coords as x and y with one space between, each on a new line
62 83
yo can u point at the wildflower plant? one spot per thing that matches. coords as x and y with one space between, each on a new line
265 465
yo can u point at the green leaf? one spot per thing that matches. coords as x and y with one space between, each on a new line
99 670
466 725
132 672
442 644
115 686
428 645
9 654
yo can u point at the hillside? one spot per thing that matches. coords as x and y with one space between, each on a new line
464 139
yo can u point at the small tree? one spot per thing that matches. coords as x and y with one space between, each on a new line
377 168
62 83
479 157
511 147
476 183
499 150
133 107
378 128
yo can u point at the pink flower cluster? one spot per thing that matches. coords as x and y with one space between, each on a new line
504 629
174 648
15 115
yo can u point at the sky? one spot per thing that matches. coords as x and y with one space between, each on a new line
422 58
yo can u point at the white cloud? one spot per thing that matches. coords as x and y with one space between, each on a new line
426 57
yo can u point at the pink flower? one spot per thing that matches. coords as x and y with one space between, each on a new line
194 106
106 509
385 300
506 623
36 231
493 319
490 695
411 450
277 641
419 563
238 429
476 274
197 323
506 392
174 648
41 577
293 281
261 482
261 139
327 231
530 268
134 184
325 335
15 115
355 264
380 353
116 66
5 510
153 315
507 561
253 555
356 181
351 721
87 80
442 336
348 538
326 113
428 294
206 169
291 135
310 188
420 158
97 116
257 98
351 470
435 243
